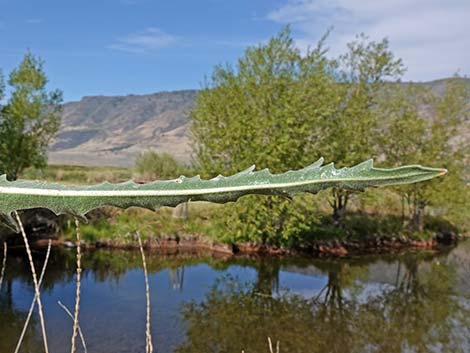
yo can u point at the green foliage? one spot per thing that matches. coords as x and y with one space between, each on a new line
265 111
96 231
78 200
278 221
153 166
2 86
118 226
279 108
351 134
268 111
29 119
425 140
364 70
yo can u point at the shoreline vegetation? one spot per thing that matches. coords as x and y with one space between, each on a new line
195 244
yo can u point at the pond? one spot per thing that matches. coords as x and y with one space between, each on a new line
416 302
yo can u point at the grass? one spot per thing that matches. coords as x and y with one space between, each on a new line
70 174
120 226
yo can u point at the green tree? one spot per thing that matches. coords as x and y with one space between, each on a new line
428 126
2 86
152 165
267 110
264 111
280 109
29 119
350 137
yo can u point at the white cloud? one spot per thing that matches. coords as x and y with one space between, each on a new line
34 20
149 40
431 36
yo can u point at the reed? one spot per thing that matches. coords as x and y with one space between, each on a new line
33 303
35 280
78 287
148 334
82 338
4 263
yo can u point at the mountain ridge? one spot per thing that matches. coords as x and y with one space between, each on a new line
113 130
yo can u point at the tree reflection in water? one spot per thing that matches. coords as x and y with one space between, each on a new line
11 323
176 278
395 304
418 313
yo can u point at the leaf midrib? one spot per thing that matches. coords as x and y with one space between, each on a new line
186 192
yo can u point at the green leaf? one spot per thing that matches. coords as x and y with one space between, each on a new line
78 200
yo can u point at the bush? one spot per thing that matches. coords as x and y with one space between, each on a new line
265 220
151 165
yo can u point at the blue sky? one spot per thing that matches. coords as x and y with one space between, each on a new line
118 47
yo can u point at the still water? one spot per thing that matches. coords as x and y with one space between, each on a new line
201 303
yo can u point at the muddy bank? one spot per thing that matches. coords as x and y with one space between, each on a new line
330 248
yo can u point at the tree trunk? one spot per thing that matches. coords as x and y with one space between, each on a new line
403 213
340 202
418 217
417 207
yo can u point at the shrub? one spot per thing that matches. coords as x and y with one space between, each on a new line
152 165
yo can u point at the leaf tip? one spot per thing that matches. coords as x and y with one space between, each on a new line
443 172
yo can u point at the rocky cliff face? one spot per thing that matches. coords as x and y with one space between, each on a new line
113 130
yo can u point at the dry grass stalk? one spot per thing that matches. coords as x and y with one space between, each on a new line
148 334
33 303
36 285
4 263
271 346
82 338
77 293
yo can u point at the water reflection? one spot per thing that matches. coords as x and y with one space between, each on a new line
177 278
201 303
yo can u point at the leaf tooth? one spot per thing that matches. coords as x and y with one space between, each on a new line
304 172
264 172
194 178
244 172
314 165
364 166
218 177
127 183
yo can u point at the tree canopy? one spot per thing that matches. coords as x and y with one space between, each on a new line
282 108
152 165
29 119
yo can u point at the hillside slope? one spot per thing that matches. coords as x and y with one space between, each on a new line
113 130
